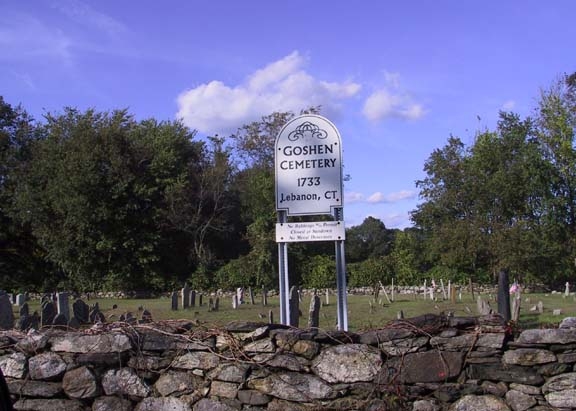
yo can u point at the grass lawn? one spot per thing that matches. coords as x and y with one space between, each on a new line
363 311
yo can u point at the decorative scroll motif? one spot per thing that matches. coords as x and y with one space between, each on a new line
307 128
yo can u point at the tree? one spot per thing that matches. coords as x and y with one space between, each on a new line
371 239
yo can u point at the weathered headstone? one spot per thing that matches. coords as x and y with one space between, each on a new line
6 314
234 301
60 320
264 296
174 299
504 295
47 313
62 305
400 315
192 298
540 307
81 311
271 317
95 315
200 297
20 299
210 304
240 295
567 289
314 312
74 323
146 316
217 303
185 297
24 310
327 298
251 295
294 307
483 306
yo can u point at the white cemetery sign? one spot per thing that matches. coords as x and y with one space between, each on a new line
308 162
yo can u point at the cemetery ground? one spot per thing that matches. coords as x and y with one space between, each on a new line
364 312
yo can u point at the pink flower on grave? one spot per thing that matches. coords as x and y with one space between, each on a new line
514 288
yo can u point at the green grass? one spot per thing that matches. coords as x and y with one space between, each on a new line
363 311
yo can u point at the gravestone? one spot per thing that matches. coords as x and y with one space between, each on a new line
74 323
200 297
234 301
264 296
251 295
24 310
47 313
271 317
294 307
174 298
185 297
314 312
62 305
327 300
217 304
146 316
210 304
20 299
6 313
60 320
81 311
240 295
567 289
95 315
540 307
192 298
504 295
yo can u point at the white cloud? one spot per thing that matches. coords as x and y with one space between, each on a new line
391 101
379 197
280 86
509 105
353 197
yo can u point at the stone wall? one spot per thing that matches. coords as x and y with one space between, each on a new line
426 363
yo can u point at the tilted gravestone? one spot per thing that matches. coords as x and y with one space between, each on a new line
314 312
174 299
47 313
294 307
6 314
81 311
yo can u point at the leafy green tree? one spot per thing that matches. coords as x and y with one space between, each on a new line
371 239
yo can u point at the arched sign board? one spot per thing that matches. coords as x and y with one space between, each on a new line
308 162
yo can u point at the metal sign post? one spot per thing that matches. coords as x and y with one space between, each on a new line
341 278
283 275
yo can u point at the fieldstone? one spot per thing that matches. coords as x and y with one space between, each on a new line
425 405
102 359
13 365
206 404
549 370
196 360
347 363
498 389
153 340
49 404
547 336
466 341
177 383
229 372
223 389
402 347
306 348
149 362
80 383
33 342
46 366
293 386
528 357
422 367
91 343
253 397
568 322
520 401
162 404
375 337
265 346
510 373
31 388
124 381
287 361
479 402
560 390
111 404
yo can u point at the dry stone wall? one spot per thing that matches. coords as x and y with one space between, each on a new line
429 363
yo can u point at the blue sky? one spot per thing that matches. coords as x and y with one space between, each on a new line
396 78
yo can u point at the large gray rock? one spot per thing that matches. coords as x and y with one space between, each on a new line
46 366
484 341
177 383
13 365
80 383
289 361
33 388
253 397
422 367
560 390
479 403
111 404
229 373
91 343
403 346
509 373
162 404
547 336
206 404
520 401
33 342
528 357
348 363
124 381
223 389
293 387
49 404
196 360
